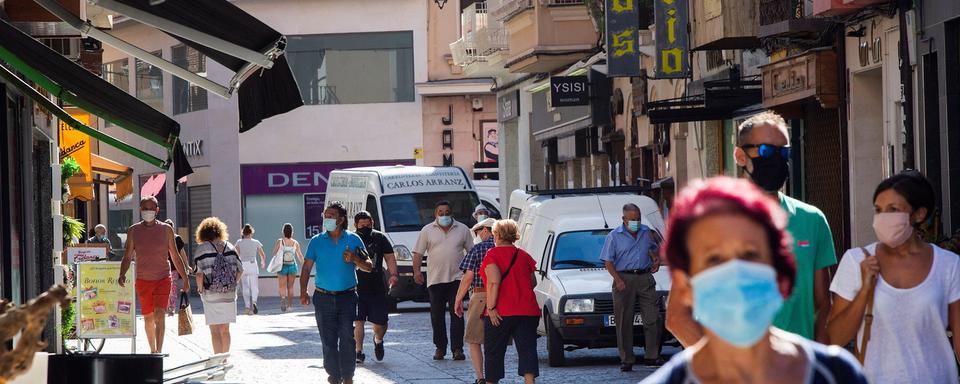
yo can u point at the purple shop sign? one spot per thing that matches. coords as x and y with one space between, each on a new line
313 206
274 179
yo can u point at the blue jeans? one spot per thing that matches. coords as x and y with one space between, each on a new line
335 315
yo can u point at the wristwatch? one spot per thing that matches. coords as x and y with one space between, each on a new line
494 308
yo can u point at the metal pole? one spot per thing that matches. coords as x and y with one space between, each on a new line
906 85
86 28
194 35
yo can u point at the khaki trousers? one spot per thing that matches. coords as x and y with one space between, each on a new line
642 290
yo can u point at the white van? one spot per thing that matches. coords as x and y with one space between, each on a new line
564 231
401 199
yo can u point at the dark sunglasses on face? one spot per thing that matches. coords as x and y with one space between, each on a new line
768 150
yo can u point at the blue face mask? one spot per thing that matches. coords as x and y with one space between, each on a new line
633 226
481 218
444 221
737 300
330 225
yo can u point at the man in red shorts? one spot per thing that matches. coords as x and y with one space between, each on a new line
150 242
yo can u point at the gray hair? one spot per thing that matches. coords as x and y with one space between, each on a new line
764 118
630 207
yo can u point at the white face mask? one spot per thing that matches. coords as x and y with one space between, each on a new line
148 216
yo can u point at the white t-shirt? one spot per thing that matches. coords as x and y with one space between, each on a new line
247 249
908 339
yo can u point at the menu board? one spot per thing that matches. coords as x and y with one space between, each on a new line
104 308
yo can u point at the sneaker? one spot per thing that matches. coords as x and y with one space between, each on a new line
247 311
459 356
283 304
440 354
660 361
255 311
378 350
361 357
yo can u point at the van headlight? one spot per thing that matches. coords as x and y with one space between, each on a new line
578 305
402 253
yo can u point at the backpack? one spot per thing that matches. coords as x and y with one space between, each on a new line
224 276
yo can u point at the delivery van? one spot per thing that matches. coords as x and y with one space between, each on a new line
401 200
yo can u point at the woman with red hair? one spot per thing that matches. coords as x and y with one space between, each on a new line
732 264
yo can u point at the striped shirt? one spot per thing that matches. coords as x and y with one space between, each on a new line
205 256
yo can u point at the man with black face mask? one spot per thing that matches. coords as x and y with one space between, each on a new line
763 154
371 287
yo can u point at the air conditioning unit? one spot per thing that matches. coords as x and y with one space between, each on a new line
69 47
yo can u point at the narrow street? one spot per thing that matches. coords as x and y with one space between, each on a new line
276 347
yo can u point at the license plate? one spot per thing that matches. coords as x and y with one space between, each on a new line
610 320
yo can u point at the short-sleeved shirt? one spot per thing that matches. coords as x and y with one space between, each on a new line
444 250
515 297
829 365
151 250
813 250
377 245
474 258
205 256
627 252
247 249
330 271
908 336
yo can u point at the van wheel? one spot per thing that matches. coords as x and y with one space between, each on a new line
554 342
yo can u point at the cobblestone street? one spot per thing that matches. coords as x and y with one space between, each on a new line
276 347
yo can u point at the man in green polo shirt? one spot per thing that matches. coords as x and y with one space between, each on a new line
763 153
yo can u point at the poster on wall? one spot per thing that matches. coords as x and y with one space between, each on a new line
490 152
313 213
104 308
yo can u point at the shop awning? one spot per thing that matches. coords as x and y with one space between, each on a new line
719 101
111 173
222 32
75 85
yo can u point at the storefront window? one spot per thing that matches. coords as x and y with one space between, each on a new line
188 97
150 83
405 213
353 68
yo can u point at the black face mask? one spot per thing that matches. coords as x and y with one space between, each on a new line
366 231
769 173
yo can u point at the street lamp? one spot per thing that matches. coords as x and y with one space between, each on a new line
440 3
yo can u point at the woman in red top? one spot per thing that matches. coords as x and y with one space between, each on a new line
512 310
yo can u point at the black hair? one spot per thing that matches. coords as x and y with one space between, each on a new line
288 230
914 187
341 213
362 215
442 202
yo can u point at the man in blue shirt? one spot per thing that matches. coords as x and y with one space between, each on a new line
337 253
630 256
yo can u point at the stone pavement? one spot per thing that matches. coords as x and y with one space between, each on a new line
277 347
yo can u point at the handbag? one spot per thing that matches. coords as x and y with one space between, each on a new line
276 261
184 316
871 285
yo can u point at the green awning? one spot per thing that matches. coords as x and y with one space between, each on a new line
75 85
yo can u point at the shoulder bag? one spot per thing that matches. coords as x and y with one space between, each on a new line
506 272
276 261
871 286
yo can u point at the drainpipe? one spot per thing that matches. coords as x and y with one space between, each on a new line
906 84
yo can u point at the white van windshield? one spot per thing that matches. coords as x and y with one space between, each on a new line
410 212
579 249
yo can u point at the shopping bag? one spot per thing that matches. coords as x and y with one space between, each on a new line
184 316
276 262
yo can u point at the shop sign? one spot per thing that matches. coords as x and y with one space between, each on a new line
567 91
623 43
296 178
104 308
86 252
672 56
508 106
796 78
438 180
193 148
76 144
313 207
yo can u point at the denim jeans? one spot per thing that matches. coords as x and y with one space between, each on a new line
335 315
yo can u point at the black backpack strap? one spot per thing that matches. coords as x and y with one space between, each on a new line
509 267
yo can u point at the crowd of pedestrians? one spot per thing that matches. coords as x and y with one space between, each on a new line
752 298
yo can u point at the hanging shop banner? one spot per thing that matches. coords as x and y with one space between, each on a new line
76 144
568 91
673 52
104 308
623 43
313 213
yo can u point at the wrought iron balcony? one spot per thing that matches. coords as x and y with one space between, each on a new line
788 18
505 9
481 37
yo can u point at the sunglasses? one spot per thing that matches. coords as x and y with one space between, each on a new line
768 150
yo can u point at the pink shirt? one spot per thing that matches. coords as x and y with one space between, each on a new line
150 249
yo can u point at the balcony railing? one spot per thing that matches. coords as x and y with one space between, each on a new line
481 36
775 11
553 3
505 9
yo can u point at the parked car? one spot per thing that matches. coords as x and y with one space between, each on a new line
564 230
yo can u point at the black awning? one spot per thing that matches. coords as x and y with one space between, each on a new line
69 81
720 100
265 92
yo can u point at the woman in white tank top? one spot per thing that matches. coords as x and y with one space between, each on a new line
292 257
